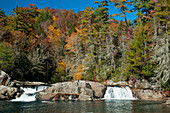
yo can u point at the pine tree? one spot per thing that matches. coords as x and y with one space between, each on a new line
138 57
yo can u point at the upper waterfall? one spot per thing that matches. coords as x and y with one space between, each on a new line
118 93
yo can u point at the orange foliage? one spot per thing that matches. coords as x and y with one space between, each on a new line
54 18
71 42
78 75
62 64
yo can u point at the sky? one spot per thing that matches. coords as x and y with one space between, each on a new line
75 5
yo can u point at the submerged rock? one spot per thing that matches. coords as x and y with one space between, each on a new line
7 93
80 90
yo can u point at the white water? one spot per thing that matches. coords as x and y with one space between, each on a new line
29 94
118 93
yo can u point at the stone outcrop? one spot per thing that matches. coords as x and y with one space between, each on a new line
7 93
79 90
4 78
144 90
147 94
99 89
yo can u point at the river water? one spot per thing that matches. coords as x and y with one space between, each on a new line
105 106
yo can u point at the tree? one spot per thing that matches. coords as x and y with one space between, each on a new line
122 5
139 56
6 57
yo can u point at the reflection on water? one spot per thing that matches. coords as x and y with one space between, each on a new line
118 106
107 106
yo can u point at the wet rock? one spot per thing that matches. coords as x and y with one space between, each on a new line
7 93
4 78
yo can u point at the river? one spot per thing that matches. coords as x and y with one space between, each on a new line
105 106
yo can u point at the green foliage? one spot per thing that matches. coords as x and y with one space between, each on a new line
2 13
6 57
138 57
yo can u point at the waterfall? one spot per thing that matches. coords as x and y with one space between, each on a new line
29 94
118 93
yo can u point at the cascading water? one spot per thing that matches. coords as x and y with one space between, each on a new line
29 94
118 93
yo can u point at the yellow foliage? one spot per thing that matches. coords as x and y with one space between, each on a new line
36 36
78 75
62 64
51 28
54 18
53 35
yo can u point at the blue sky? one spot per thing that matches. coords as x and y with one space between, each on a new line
76 5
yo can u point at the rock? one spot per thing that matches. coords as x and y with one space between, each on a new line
4 78
84 90
26 83
98 88
60 91
167 101
147 94
120 83
7 93
145 84
84 97
142 84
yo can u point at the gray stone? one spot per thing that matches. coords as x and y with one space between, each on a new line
148 94
7 93
76 88
4 78
167 102
84 97
98 88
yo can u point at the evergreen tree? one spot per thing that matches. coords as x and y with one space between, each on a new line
138 57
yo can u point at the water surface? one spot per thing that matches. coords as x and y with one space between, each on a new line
106 106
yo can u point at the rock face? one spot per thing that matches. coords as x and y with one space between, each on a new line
80 90
147 94
7 93
4 78
99 89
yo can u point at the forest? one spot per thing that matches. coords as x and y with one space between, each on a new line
55 45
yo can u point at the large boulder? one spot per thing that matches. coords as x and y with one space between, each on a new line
64 90
98 88
81 90
7 93
4 78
